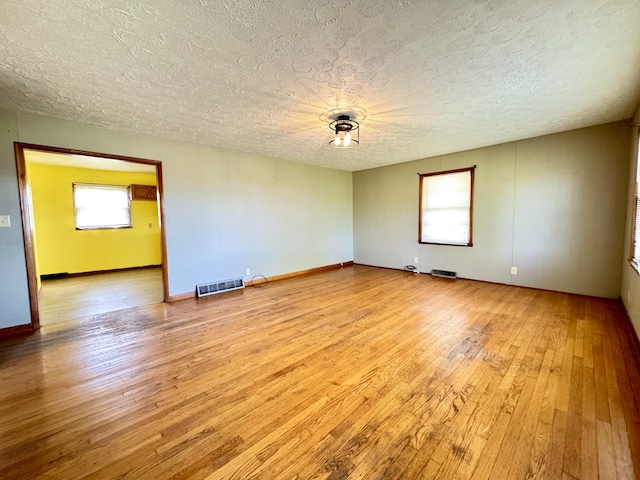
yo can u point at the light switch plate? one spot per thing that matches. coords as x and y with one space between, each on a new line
5 221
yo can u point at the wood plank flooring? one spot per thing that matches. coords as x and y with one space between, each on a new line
353 373
75 297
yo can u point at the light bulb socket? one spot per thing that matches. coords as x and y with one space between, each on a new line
343 126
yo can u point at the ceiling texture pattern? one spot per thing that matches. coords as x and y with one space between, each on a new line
422 77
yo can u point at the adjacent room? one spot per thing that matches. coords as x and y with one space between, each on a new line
330 239
87 261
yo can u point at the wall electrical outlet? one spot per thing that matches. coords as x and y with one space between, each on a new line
416 260
514 270
247 271
5 221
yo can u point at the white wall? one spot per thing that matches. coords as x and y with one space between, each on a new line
553 206
224 210
630 291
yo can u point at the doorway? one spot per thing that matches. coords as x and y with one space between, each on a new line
69 263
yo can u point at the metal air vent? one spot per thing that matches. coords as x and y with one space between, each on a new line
444 273
205 289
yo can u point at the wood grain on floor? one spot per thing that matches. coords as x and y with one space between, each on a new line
75 297
354 373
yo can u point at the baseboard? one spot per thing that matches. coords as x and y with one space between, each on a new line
275 278
284 276
634 340
17 330
53 276
182 296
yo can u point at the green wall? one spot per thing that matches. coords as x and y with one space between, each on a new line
224 210
552 206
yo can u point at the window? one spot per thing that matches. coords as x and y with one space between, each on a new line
446 207
635 228
101 206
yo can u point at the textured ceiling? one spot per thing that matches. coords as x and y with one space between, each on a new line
422 77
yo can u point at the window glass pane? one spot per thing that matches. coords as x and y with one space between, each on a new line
635 240
636 233
101 206
446 208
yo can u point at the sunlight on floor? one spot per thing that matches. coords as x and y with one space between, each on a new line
76 297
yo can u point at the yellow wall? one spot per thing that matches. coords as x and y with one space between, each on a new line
62 248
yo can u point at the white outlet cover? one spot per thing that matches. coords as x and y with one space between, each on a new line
5 221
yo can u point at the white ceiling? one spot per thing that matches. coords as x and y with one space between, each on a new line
422 77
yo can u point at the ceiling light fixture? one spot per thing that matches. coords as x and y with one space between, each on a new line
347 132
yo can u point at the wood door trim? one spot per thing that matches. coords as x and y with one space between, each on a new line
26 214
163 233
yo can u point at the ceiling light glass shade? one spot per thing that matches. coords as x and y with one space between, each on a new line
347 132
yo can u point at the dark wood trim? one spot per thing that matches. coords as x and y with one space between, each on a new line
473 182
284 276
420 208
17 330
26 211
421 176
27 232
71 151
182 296
445 172
448 244
163 234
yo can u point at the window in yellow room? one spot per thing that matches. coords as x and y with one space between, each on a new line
101 206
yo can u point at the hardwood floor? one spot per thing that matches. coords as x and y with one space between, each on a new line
82 296
353 373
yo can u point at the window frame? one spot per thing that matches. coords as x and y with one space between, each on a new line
126 188
422 176
634 244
